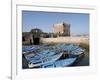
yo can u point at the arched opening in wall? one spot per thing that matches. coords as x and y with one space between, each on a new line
30 42
23 38
36 41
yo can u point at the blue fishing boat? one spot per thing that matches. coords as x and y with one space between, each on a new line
45 56
60 63
44 60
42 54
28 49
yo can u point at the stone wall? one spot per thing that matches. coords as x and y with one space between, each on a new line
76 40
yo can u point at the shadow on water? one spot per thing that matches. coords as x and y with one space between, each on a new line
83 60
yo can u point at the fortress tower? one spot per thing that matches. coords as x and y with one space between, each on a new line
62 29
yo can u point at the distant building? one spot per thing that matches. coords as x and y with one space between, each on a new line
61 29
33 37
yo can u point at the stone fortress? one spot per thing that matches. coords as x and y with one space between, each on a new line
34 36
62 29
61 34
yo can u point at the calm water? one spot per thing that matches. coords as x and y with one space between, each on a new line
84 61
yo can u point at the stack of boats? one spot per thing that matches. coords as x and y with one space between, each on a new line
45 56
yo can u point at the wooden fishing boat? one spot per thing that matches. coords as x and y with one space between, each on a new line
44 60
52 56
60 63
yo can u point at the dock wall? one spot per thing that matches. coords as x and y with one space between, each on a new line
75 40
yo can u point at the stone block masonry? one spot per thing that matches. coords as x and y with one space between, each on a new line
75 40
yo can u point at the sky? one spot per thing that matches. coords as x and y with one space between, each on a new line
44 20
